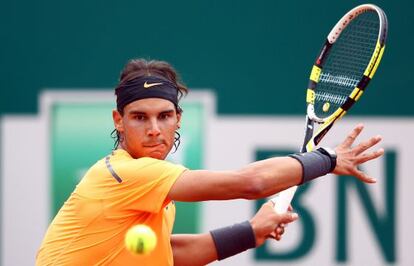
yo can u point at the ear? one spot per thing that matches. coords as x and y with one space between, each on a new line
118 122
178 120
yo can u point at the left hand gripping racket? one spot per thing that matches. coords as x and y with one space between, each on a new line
342 71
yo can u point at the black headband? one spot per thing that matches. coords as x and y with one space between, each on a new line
146 87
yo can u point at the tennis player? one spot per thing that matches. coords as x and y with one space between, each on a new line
135 185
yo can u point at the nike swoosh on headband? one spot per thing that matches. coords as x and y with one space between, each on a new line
149 85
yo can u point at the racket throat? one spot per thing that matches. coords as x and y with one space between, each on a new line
309 126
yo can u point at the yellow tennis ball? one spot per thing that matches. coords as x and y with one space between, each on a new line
325 107
140 239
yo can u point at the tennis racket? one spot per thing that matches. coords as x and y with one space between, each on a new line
342 71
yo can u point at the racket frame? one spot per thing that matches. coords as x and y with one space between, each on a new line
311 142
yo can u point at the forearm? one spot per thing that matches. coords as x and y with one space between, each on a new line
223 242
193 249
272 175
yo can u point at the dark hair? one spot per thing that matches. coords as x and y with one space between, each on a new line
137 68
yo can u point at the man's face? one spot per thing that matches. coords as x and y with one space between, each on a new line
148 127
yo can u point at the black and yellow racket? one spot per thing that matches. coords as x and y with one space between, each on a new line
342 71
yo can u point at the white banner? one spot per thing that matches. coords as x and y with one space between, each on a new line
342 222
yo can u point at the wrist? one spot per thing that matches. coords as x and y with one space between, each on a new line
316 163
332 156
234 239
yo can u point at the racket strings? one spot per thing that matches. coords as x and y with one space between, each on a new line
341 80
346 63
331 98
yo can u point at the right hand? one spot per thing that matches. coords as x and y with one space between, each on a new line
267 222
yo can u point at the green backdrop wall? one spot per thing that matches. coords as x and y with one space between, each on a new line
255 54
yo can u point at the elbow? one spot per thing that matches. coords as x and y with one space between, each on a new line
252 186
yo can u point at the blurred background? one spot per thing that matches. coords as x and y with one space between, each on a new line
247 64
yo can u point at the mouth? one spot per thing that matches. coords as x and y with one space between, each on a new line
156 150
152 145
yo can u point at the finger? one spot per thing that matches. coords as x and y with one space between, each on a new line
283 225
363 146
280 231
364 177
288 217
349 140
370 156
290 208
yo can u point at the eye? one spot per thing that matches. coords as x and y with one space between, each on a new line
165 116
139 117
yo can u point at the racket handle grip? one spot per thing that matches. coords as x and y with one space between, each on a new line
282 199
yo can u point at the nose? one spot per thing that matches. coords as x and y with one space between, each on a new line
154 129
